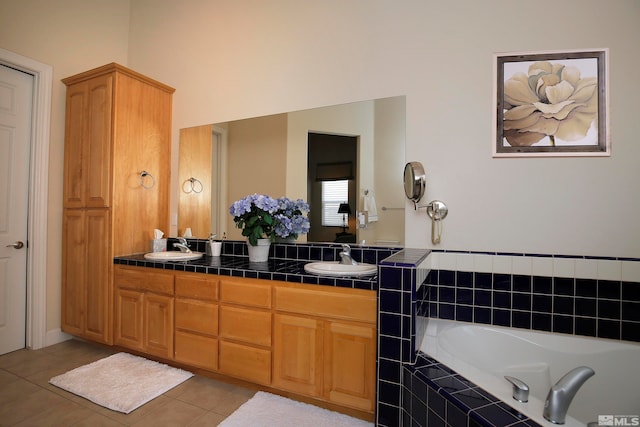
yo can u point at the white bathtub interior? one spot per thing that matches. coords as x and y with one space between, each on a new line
484 354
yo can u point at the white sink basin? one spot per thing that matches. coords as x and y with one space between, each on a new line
334 268
173 256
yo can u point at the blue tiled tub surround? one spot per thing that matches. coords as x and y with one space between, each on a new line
435 395
286 262
398 276
408 280
483 354
587 296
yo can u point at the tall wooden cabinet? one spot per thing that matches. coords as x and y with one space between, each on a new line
116 186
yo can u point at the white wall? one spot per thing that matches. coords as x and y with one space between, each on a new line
237 59
72 36
230 60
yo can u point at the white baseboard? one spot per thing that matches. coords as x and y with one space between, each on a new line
56 336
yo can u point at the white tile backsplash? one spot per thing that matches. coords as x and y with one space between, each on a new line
483 263
564 267
630 271
580 268
609 269
447 261
465 262
586 269
542 266
502 264
522 265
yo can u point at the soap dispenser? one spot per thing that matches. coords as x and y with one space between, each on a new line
208 249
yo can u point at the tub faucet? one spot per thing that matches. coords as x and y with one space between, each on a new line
183 245
562 393
345 256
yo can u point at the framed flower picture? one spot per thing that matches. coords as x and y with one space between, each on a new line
551 104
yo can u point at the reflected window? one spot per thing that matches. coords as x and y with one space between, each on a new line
333 194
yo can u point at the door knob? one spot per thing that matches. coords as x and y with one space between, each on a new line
16 245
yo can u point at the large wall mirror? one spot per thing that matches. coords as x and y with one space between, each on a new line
223 162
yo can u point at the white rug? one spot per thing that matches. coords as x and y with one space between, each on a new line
121 382
269 410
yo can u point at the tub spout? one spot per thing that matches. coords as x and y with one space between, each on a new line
562 393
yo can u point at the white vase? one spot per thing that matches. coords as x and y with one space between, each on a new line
260 252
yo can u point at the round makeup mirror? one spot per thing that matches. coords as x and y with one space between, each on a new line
414 181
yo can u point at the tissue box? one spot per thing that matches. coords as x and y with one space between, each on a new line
158 245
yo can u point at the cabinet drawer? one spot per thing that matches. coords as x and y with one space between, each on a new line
197 316
249 363
198 286
336 303
250 326
144 279
254 293
196 350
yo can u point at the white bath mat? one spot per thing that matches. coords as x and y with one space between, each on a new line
270 410
121 382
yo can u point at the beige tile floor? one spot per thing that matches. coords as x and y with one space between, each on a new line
27 398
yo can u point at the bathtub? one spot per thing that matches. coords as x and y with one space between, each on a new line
485 354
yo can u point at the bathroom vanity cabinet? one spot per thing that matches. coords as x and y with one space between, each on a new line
245 329
309 340
196 320
325 343
144 310
115 187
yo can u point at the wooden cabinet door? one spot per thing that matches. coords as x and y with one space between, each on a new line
129 318
349 365
75 135
245 325
297 354
97 162
74 264
245 362
98 276
86 291
196 350
88 142
158 325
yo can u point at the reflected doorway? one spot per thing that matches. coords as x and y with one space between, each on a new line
331 159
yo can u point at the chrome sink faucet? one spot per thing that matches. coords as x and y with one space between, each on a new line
562 393
345 256
183 245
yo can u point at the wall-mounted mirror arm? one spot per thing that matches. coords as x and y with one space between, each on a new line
415 184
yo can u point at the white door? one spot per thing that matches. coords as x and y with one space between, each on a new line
16 95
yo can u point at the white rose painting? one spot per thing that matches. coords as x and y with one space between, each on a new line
551 104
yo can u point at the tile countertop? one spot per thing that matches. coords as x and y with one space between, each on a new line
286 270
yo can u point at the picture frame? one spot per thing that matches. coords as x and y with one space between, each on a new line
553 103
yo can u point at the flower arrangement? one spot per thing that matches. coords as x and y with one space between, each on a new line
263 217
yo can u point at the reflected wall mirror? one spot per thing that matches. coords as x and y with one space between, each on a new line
270 155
